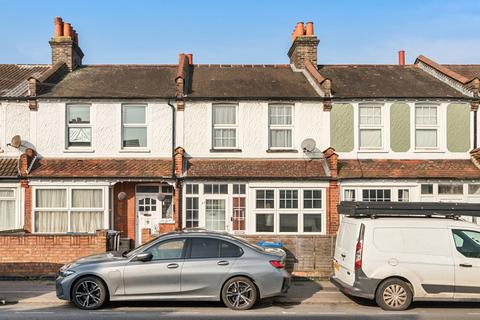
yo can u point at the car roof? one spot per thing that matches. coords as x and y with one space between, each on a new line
433 222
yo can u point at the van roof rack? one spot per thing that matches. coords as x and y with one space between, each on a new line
451 210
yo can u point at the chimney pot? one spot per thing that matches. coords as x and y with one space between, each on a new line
401 57
190 58
309 29
58 27
67 30
299 30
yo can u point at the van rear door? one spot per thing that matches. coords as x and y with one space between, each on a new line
344 258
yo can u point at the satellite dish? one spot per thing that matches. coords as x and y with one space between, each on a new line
16 141
161 196
122 196
308 145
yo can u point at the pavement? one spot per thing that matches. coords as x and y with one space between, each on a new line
43 292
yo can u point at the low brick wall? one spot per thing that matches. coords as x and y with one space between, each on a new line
307 256
42 254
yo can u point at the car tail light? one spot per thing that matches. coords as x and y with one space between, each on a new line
359 248
277 264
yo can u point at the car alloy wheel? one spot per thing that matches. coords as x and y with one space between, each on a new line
394 294
89 293
239 293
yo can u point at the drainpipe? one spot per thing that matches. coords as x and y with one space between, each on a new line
174 132
475 129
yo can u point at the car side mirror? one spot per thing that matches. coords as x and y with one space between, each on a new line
144 256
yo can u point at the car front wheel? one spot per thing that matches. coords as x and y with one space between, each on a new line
89 293
239 293
394 295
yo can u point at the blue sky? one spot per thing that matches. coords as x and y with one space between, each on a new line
243 31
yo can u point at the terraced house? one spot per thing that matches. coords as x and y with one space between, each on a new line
262 151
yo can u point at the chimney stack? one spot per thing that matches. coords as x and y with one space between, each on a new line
64 45
401 57
304 45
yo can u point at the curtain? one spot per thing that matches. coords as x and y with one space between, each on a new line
224 138
224 115
370 138
215 214
167 208
87 198
281 115
51 198
86 221
51 221
349 195
7 213
280 138
426 115
6 193
426 138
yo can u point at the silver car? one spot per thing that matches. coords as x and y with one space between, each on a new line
204 266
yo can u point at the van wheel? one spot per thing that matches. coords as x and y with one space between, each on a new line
239 293
89 293
394 295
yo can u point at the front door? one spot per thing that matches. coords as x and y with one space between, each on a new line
161 275
466 255
148 215
215 214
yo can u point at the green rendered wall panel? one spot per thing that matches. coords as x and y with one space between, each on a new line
458 127
342 127
400 127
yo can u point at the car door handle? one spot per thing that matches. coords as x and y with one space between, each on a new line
223 263
465 265
172 266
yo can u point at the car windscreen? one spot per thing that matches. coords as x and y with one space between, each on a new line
249 244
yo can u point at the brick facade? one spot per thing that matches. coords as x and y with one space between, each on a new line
304 48
43 255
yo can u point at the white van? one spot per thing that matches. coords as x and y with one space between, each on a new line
397 260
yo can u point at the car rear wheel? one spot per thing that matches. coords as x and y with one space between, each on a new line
89 293
394 295
239 293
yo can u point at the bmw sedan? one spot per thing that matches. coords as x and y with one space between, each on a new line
204 266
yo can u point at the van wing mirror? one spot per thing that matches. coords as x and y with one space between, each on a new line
144 256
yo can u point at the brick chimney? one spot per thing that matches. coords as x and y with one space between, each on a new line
304 45
64 45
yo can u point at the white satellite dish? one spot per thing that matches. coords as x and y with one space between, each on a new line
16 142
308 145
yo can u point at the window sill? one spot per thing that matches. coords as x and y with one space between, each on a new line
428 151
78 151
282 151
225 150
140 150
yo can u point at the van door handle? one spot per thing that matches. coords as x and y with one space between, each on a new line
465 265
223 263
343 255
172 266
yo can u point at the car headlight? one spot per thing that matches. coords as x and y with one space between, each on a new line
66 273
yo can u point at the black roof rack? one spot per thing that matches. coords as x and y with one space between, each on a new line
385 209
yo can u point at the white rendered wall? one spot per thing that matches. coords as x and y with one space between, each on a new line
309 121
14 120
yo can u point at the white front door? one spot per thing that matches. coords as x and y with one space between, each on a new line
215 214
148 215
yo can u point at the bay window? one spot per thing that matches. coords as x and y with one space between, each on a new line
8 211
224 131
79 129
280 122
134 126
426 126
370 126
68 209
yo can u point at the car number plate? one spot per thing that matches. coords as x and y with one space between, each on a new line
336 265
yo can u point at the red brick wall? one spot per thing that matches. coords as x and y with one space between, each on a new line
27 218
332 212
42 255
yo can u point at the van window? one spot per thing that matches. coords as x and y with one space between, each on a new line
467 243
348 235
424 241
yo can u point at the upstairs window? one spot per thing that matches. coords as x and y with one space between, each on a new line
280 124
134 126
426 126
224 120
7 209
370 126
79 129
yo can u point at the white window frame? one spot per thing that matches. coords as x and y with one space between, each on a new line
300 211
69 125
366 127
15 198
286 127
192 195
134 125
69 208
435 127
225 126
